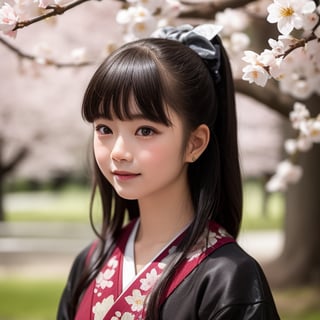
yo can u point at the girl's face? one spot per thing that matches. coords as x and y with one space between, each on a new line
141 158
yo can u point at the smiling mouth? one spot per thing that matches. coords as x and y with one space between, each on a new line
123 175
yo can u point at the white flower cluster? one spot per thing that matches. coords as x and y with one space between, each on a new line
283 60
13 11
142 17
308 134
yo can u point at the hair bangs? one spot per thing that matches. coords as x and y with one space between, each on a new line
127 84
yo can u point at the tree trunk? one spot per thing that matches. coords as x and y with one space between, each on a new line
7 168
299 263
2 216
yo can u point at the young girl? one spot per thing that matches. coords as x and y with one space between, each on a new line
166 166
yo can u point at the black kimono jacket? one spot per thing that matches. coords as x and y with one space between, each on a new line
227 285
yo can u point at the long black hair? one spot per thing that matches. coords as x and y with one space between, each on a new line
161 74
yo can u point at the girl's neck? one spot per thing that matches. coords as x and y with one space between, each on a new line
162 218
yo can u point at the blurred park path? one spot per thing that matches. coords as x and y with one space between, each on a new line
42 249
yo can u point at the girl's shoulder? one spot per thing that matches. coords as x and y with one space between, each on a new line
228 283
234 266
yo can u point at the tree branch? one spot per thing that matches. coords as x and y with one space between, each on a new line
300 43
55 10
45 61
268 95
16 159
208 9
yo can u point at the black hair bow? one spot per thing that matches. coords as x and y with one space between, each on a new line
200 39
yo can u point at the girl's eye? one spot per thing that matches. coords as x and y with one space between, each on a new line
103 130
145 131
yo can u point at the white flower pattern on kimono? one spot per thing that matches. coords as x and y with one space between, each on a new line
136 300
125 316
100 309
103 279
113 263
223 233
212 239
202 245
149 281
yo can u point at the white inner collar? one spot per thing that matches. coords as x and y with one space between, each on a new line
128 267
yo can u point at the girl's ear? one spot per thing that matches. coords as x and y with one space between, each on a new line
197 143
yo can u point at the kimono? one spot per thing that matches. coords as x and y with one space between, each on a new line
217 280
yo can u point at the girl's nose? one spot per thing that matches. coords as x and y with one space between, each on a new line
120 152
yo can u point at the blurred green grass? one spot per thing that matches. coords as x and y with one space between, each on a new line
29 299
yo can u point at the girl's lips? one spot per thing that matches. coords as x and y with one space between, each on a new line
124 175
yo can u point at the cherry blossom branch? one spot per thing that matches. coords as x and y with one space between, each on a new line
44 61
55 10
298 44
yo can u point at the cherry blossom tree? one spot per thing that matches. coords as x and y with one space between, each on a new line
285 76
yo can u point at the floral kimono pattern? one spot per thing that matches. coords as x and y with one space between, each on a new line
104 299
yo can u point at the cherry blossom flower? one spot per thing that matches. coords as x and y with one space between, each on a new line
136 300
256 74
143 28
286 173
276 184
232 21
151 5
310 21
143 17
8 19
258 8
138 20
45 3
169 10
239 41
26 9
311 129
43 52
309 133
288 14
299 114
79 55
282 44
302 143
301 79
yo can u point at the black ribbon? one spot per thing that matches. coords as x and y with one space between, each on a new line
200 39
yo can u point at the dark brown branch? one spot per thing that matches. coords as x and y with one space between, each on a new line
16 159
300 43
55 10
46 61
268 95
208 9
